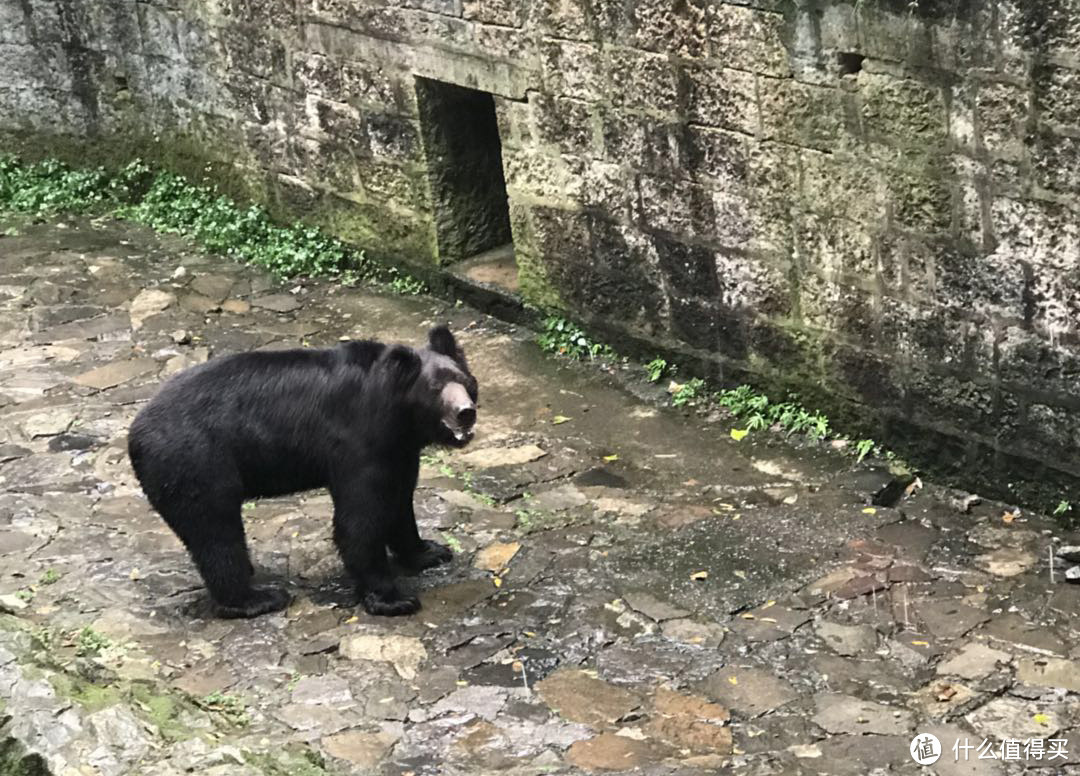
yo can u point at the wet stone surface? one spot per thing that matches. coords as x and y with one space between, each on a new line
694 605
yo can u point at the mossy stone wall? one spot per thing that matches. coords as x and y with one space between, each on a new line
873 203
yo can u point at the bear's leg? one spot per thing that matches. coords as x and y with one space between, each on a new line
363 513
403 537
409 549
213 531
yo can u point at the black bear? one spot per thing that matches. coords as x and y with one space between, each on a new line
352 419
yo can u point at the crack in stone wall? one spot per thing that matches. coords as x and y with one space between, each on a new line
871 203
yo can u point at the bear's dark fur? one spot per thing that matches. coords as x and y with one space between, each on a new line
353 419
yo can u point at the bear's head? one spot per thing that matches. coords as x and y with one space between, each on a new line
444 393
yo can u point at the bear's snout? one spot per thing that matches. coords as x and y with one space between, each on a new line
459 411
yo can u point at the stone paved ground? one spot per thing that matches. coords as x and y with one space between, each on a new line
568 635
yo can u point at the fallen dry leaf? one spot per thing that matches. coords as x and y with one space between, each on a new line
558 420
945 692
739 433
496 556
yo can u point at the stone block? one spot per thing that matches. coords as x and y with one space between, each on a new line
718 154
614 278
506 43
828 305
748 39
953 402
1002 110
452 8
563 122
1043 233
279 15
553 179
920 193
515 122
564 19
861 374
689 270
1056 94
702 324
754 286
327 165
14 29
834 247
608 189
992 284
902 112
394 137
844 186
110 26
249 50
370 84
890 31
1052 27
398 187
803 115
339 122
317 74
504 12
644 143
676 205
573 69
908 267
1056 159
158 31
657 25
643 81
722 97
1056 428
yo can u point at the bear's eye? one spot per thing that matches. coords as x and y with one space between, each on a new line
447 376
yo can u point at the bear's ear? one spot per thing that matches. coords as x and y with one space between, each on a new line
402 366
442 341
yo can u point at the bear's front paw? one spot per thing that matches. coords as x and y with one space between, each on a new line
389 605
429 555
261 601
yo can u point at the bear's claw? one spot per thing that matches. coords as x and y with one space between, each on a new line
261 601
382 605
429 555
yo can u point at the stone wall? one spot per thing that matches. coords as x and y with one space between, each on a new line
870 202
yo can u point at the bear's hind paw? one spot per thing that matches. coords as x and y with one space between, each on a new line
261 601
381 605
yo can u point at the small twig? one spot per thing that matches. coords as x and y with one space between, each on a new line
1051 564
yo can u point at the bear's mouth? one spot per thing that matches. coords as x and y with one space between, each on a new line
461 436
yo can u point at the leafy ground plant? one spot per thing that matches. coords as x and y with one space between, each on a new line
232 708
656 369
563 338
170 203
90 642
688 392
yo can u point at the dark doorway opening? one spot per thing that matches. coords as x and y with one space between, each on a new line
464 158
